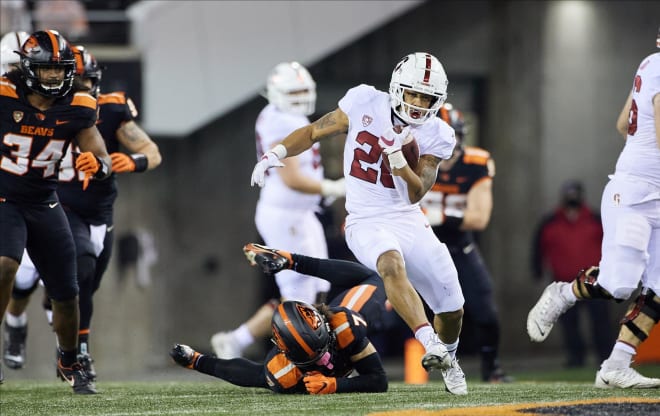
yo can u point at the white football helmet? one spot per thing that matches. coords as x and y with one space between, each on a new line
291 88
10 42
420 72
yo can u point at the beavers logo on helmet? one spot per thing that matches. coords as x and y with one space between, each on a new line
312 319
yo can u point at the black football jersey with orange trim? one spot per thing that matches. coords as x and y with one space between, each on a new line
455 184
33 142
95 204
350 337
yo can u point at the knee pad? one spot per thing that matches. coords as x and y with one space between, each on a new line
641 317
22 293
587 287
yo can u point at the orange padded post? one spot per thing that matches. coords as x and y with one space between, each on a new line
413 372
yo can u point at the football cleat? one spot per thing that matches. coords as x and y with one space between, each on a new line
624 378
77 378
225 346
184 355
550 306
13 348
87 364
437 356
455 379
269 259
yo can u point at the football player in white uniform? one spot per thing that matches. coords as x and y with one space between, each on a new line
286 211
630 209
9 43
385 227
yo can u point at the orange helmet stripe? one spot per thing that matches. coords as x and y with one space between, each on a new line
294 332
55 44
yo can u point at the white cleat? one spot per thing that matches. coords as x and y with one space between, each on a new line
225 346
550 306
436 356
624 378
455 379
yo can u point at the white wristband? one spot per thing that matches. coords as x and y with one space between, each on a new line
397 161
280 151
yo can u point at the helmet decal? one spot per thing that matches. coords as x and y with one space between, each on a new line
300 332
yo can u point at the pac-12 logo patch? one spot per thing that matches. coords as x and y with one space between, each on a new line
366 120
18 116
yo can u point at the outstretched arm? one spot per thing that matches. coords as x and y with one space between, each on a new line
330 125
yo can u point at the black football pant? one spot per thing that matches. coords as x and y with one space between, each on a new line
477 287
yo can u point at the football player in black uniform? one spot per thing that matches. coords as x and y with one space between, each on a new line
89 211
460 203
39 118
316 348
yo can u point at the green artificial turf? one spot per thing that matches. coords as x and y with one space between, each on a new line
210 397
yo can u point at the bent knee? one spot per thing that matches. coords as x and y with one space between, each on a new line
390 264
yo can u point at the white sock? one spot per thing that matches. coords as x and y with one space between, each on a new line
621 356
16 321
566 291
243 336
426 335
451 348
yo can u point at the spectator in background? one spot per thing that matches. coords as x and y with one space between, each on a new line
568 240
69 17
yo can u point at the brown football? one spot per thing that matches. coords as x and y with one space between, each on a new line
410 152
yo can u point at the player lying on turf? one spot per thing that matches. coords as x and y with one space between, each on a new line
316 348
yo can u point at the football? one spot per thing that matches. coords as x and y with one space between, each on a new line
410 152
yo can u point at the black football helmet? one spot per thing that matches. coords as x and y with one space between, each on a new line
300 332
454 118
88 67
47 48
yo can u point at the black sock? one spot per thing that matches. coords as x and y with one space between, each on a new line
67 358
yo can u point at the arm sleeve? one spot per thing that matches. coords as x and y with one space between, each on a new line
238 371
371 378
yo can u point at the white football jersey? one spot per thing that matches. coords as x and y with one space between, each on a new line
641 156
370 189
272 127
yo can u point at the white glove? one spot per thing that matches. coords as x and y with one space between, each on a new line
267 161
333 189
391 141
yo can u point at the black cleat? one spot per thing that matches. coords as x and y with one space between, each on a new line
77 378
269 259
184 355
87 364
13 346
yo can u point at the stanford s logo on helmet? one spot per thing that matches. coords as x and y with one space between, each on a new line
423 73
47 49
300 332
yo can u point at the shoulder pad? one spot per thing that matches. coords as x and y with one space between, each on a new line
84 99
475 155
117 97
7 88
